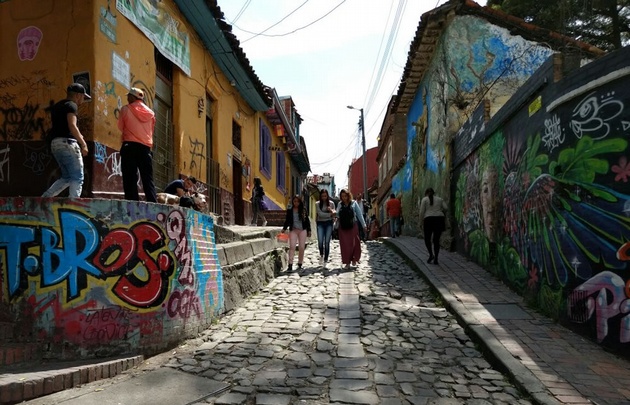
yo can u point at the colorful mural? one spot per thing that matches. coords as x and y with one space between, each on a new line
545 203
474 60
101 276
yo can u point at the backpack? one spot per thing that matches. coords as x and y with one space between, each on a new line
346 217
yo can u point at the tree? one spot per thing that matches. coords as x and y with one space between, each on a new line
603 23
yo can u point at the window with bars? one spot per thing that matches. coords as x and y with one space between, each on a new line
280 171
265 150
162 105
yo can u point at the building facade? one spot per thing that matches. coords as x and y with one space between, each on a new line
211 108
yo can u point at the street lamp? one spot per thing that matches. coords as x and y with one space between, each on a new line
365 186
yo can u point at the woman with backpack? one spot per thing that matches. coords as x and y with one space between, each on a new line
349 219
325 213
299 227
258 194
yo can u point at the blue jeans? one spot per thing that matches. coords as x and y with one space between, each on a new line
67 153
324 234
394 226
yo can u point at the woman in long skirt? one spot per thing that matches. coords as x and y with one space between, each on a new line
349 219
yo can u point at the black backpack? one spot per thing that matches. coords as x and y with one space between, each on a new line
346 217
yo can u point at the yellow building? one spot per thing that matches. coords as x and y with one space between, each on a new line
216 120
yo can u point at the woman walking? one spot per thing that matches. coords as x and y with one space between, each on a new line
432 210
299 229
325 213
258 193
349 217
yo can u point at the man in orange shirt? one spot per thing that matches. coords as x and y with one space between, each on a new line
394 211
137 121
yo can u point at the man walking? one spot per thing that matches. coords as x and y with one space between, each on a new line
68 145
394 210
137 122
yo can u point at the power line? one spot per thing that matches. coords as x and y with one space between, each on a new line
273 25
241 11
290 32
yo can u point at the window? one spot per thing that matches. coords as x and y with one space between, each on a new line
265 150
389 156
380 173
280 171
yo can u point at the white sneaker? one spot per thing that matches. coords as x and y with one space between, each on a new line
264 223
321 260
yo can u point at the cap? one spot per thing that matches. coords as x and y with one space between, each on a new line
78 88
137 93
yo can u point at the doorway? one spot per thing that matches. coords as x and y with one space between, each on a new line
237 191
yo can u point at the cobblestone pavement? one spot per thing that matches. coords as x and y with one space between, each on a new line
371 335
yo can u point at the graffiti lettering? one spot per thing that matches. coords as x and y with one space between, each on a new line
110 89
183 303
175 229
4 163
554 135
21 123
197 155
113 165
591 117
136 258
606 298
100 152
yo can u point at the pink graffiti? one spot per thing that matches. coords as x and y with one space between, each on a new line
606 298
28 41
183 303
176 230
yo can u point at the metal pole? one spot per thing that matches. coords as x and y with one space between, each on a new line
366 197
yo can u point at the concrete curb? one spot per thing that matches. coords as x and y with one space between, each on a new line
18 387
498 355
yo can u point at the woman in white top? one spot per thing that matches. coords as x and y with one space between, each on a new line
432 209
325 214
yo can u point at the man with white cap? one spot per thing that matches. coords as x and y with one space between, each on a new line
137 122
67 143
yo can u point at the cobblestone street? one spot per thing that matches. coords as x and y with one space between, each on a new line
371 335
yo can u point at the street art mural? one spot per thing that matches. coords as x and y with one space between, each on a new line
101 276
545 203
474 61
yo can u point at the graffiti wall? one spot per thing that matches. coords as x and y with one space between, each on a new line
102 277
545 201
473 61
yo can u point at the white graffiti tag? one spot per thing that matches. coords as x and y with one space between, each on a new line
113 165
4 162
591 117
554 135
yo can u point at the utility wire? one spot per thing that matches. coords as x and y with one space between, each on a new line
290 32
273 25
241 11
387 53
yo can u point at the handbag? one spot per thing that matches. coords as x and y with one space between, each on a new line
263 205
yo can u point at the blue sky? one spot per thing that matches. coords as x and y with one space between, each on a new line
330 64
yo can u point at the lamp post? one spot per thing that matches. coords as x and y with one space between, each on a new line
365 186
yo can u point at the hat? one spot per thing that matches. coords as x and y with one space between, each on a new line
78 88
137 93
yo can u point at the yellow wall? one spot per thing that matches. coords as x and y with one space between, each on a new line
27 87
73 41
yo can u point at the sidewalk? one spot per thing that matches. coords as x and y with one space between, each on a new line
552 363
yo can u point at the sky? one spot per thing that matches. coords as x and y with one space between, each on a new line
327 55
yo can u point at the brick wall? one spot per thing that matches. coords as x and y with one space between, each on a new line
103 277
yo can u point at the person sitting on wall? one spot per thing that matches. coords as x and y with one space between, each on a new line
184 189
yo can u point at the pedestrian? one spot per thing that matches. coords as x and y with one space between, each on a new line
325 214
258 195
361 203
432 210
394 211
349 220
137 122
67 143
299 226
375 228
